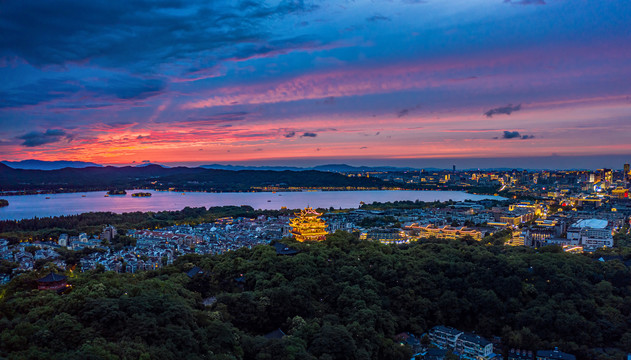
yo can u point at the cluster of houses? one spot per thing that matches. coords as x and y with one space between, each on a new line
154 248
471 346
532 224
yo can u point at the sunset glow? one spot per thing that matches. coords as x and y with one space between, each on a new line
312 82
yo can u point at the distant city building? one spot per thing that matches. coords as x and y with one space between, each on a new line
386 236
445 232
63 240
307 226
620 193
517 354
109 232
467 345
591 233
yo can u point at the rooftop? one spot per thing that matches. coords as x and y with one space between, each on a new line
592 223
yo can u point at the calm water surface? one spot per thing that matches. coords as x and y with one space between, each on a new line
29 206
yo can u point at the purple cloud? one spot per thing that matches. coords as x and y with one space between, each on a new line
507 110
36 138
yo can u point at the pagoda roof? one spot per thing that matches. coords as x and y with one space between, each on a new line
52 277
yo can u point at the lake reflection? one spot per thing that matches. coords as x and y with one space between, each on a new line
29 206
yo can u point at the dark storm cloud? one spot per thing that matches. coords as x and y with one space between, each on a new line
514 135
309 134
508 109
137 33
36 138
290 134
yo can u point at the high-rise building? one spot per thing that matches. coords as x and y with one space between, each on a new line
627 173
606 176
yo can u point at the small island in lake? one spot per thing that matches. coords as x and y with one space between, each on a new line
141 194
4 203
117 192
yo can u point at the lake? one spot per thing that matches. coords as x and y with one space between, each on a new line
44 205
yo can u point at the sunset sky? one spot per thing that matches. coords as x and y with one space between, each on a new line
314 82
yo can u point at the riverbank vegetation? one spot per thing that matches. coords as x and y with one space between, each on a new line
339 299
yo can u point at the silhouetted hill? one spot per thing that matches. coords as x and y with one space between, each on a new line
183 178
47 165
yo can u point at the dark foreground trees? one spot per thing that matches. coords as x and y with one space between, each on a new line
340 299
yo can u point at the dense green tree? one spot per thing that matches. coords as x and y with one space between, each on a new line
339 299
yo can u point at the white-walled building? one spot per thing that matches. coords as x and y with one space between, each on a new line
591 233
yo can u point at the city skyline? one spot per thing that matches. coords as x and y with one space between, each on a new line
407 83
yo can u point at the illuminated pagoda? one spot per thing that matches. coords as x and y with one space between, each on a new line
307 226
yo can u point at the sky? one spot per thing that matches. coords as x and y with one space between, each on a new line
537 83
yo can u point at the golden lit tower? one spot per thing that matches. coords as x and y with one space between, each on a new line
307 226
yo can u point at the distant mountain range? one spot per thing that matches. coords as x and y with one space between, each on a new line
48 165
56 165
180 178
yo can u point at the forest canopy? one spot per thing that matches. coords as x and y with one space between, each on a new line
339 299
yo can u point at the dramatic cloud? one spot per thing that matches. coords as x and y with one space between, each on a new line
508 109
162 79
36 138
139 33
